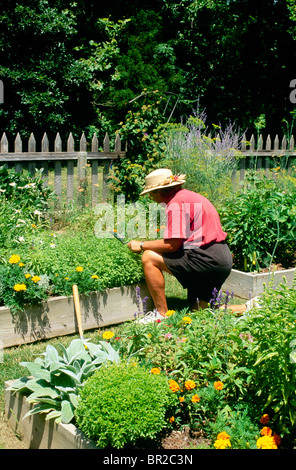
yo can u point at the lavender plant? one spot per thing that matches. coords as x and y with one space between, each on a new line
208 160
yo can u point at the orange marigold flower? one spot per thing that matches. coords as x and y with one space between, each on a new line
195 398
223 435
174 386
218 385
181 399
172 419
277 439
190 384
264 419
266 431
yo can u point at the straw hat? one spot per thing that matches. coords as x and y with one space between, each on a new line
162 178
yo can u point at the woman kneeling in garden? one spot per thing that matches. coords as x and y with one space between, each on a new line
193 248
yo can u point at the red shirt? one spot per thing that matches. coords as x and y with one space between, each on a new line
193 218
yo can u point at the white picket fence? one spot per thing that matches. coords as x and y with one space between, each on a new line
76 173
70 167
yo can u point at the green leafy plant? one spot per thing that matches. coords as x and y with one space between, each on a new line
122 403
57 378
27 192
273 328
239 423
24 201
260 223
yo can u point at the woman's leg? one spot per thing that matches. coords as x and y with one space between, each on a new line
154 265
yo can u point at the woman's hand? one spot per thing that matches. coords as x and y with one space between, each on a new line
134 245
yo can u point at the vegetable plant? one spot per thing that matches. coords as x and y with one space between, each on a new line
261 223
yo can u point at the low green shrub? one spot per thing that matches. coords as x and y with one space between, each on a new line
123 403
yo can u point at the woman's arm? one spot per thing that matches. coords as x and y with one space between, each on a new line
159 246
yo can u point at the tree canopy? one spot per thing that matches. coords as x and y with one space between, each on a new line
80 66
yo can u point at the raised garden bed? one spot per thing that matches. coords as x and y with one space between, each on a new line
36 432
56 317
249 285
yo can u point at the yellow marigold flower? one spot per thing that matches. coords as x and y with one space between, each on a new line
14 259
34 225
195 398
222 443
79 269
155 370
190 384
36 279
170 312
95 276
266 431
21 265
218 385
19 287
187 320
264 419
266 442
27 275
108 335
67 279
174 386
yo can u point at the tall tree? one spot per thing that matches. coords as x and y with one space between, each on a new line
237 56
44 81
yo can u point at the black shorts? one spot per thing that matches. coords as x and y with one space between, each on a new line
200 270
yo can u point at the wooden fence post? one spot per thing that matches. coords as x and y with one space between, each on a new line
94 172
70 170
106 169
45 149
81 172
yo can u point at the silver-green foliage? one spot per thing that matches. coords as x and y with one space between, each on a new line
55 380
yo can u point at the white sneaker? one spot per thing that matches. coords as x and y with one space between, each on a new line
150 317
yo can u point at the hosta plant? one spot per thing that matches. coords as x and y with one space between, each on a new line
55 379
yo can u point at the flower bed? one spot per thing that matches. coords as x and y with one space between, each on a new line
217 371
56 317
